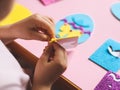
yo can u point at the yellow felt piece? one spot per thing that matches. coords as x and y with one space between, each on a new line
65 31
65 28
18 13
74 33
53 40
62 34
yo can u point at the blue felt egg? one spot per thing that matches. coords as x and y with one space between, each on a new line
77 20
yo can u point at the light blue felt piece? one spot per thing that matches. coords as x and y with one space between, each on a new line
115 9
104 59
80 20
83 38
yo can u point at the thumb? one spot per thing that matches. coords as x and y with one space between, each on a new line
47 53
59 50
41 36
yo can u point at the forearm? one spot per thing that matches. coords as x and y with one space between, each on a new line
7 34
3 32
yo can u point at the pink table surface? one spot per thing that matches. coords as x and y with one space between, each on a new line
81 71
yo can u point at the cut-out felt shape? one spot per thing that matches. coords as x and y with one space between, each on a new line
80 25
67 43
65 31
110 81
47 2
104 58
115 9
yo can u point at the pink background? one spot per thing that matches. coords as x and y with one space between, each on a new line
81 71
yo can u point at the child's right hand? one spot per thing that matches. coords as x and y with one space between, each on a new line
49 67
35 27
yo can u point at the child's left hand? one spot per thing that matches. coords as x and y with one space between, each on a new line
35 27
52 63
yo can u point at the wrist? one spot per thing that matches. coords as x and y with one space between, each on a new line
7 35
12 29
41 87
7 32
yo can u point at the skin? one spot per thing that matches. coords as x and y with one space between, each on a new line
53 61
50 66
35 27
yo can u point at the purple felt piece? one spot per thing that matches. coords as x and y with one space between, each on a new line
47 2
110 81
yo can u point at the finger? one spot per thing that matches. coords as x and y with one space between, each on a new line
49 20
45 32
59 52
43 23
52 25
48 30
36 35
40 36
46 54
59 59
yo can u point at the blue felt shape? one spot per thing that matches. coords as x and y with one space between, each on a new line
104 59
80 20
115 9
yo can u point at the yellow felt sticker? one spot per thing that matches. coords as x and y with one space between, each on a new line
74 33
18 13
65 28
53 40
65 31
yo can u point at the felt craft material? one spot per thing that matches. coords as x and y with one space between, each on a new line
18 13
47 2
104 58
110 81
67 43
79 25
115 53
23 12
115 9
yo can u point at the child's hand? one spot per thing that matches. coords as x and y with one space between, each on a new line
35 27
51 65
